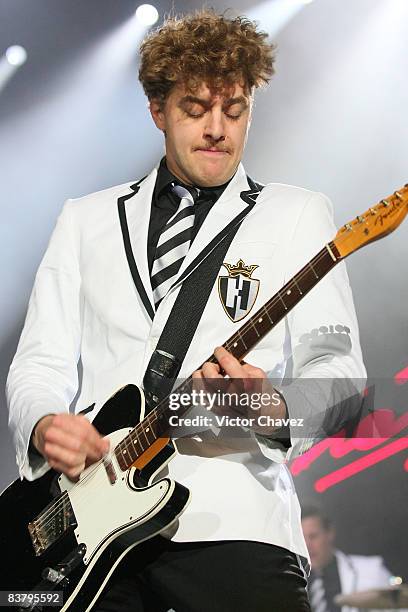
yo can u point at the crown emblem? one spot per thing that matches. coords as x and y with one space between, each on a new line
240 268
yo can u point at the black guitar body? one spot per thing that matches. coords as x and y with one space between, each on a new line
63 562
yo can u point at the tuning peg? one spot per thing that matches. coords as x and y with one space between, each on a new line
360 218
385 202
348 227
398 195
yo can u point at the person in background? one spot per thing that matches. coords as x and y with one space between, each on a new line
333 571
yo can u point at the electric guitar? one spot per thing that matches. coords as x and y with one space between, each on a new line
61 541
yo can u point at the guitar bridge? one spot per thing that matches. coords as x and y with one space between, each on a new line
53 522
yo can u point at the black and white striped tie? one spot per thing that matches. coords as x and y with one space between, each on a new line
173 245
317 595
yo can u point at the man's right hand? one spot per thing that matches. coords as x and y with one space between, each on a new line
69 442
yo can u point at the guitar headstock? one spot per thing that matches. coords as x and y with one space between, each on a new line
376 222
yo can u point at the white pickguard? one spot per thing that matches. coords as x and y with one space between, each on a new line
102 508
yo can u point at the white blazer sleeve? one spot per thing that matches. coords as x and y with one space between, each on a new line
324 340
43 376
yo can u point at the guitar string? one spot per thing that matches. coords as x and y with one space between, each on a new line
54 508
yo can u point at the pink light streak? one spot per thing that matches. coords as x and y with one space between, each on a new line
361 464
371 432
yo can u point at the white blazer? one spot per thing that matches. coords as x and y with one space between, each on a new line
85 304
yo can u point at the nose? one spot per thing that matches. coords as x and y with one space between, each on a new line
214 128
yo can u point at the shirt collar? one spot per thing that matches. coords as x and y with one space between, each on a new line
165 178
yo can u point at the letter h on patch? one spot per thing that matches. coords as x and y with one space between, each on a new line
238 291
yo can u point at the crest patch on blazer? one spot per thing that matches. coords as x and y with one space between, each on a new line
238 291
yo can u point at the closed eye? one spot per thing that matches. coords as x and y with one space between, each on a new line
192 108
234 111
233 116
194 114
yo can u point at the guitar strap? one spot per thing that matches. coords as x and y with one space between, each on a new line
181 325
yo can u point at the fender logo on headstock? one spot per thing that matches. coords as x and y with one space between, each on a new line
388 212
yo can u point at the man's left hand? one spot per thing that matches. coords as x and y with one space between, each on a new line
246 378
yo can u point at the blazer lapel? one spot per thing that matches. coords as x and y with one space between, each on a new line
134 212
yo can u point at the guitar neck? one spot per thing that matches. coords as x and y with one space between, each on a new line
155 425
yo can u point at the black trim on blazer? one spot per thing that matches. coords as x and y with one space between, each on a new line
128 248
251 194
249 198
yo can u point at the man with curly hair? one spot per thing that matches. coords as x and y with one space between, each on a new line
105 290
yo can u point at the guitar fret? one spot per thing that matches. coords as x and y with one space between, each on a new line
129 448
145 435
149 429
332 255
142 431
268 315
297 285
255 328
123 460
313 270
281 299
154 431
242 340
136 440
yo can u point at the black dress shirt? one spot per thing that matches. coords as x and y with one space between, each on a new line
165 204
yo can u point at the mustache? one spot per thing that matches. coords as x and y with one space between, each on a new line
218 149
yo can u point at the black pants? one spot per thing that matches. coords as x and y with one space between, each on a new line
225 576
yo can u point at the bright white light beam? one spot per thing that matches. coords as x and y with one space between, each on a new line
16 55
274 15
10 62
147 14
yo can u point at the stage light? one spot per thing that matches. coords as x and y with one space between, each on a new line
16 55
147 14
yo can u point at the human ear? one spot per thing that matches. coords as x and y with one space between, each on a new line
156 111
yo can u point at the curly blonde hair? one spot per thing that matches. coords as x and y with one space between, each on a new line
204 47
